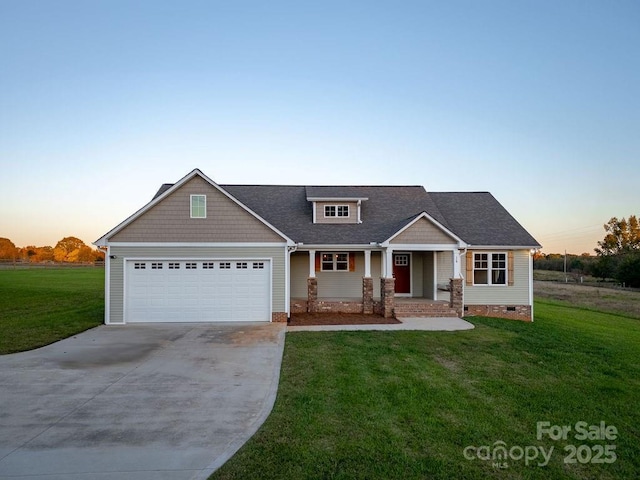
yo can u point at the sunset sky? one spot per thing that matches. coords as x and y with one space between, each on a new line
537 102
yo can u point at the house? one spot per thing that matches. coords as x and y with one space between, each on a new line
203 252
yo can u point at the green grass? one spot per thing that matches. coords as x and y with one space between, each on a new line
41 306
405 404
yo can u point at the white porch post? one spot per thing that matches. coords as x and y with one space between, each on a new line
367 263
389 263
456 264
312 264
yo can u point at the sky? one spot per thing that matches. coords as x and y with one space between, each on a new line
537 102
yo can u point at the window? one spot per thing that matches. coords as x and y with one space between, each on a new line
198 206
156 266
139 266
191 265
225 265
174 266
490 269
331 262
258 265
336 211
207 265
241 265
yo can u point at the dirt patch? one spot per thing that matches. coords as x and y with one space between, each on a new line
299 319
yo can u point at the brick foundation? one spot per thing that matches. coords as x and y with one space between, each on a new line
298 306
512 312
312 294
387 293
367 295
456 296
337 306
278 317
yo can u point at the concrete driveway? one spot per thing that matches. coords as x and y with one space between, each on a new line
169 401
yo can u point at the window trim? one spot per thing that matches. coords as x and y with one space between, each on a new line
191 206
490 269
336 210
334 261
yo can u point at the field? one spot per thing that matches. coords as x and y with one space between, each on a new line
405 405
434 405
40 306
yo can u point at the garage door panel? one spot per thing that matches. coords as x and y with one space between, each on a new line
197 291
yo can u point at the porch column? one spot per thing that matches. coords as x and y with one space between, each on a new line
312 264
367 263
388 262
312 284
457 272
457 296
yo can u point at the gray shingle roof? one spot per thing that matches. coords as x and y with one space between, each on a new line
476 217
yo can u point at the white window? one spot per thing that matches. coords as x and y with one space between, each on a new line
156 265
241 265
340 211
225 265
207 265
139 266
174 266
191 265
489 268
198 206
258 265
335 262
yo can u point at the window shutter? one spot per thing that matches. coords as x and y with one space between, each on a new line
469 275
510 267
318 254
352 262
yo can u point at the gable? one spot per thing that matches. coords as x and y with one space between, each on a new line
423 232
170 220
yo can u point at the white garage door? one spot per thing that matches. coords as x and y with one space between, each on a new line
197 291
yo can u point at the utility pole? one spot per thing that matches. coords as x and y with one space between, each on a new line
565 266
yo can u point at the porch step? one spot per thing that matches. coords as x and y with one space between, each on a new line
423 309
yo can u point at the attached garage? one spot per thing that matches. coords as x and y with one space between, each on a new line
197 290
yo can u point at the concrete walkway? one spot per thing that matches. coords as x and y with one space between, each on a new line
433 324
163 401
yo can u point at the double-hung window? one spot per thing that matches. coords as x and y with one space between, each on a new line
335 262
198 206
490 269
339 211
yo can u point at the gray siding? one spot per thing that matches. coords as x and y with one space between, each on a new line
170 220
427 277
444 273
116 284
423 232
334 284
352 218
516 294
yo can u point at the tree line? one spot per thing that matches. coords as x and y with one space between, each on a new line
617 255
68 250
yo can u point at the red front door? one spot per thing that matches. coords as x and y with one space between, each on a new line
402 272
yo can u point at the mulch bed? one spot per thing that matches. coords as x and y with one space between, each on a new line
298 319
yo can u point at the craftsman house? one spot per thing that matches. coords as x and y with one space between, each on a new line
204 252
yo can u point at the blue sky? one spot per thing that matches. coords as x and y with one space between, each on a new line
537 102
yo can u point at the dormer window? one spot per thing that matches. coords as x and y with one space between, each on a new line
198 206
336 211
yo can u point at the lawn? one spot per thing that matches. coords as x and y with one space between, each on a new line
406 404
39 306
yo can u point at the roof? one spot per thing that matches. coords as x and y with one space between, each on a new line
475 217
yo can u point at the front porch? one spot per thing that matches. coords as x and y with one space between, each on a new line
400 284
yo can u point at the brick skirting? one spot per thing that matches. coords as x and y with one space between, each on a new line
278 317
512 312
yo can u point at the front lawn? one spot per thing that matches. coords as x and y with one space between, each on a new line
406 404
40 306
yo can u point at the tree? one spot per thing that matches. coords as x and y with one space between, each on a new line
8 250
622 236
619 251
65 248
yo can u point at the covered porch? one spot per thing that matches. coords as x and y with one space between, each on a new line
405 282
